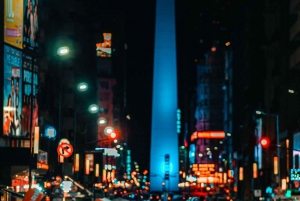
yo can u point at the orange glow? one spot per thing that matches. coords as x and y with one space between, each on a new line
275 160
254 170
208 134
213 49
97 170
76 163
36 140
87 167
241 174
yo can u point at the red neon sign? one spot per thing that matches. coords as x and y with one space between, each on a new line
208 134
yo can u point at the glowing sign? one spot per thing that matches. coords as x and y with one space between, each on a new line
50 133
208 134
203 168
178 122
104 49
295 174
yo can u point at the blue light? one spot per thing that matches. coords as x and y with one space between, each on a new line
50 132
164 136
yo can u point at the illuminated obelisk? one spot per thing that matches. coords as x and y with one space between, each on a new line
164 138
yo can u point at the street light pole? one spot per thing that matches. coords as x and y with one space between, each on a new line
278 146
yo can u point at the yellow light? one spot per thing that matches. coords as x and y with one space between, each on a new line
87 166
61 159
76 163
97 170
283 184
36 140
254 170
241 173
225 177
275 165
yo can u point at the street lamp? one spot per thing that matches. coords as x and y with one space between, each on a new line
62 51
277 138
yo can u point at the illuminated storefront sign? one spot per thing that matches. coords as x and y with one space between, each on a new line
203 168
208 135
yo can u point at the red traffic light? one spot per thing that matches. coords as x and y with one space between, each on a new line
113 135
265 142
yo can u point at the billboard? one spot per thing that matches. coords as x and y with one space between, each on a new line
13 22
30 85
20 72
12 104
30 24
104 49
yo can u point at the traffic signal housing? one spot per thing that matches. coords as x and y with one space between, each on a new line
265 142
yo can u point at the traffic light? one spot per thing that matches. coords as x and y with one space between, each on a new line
113 135
265 142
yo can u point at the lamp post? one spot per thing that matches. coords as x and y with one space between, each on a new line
277 138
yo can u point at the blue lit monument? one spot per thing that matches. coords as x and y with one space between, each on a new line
164 138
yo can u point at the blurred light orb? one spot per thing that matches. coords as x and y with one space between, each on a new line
102 121
93 108
62 51
108 130
82 86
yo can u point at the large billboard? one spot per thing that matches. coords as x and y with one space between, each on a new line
12 92
13 22
20 94
30 24
104 49
30 86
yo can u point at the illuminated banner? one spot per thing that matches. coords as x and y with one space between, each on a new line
30 77
12 103
204 169
42 160
30 23
295 174
208 134
13 22
104 49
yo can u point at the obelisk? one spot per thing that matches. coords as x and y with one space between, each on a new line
164 138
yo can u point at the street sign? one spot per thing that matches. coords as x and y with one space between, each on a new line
65 149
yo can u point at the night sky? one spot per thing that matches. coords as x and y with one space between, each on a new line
195 35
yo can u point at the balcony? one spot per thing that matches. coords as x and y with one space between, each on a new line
295 31
295 59
294 6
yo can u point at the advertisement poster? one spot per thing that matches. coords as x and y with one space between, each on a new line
13 22
30 76
104 49
12 107
42 160
30 24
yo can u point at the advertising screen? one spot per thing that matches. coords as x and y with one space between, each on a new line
13 22
30 24
104 49
12 104
30 76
